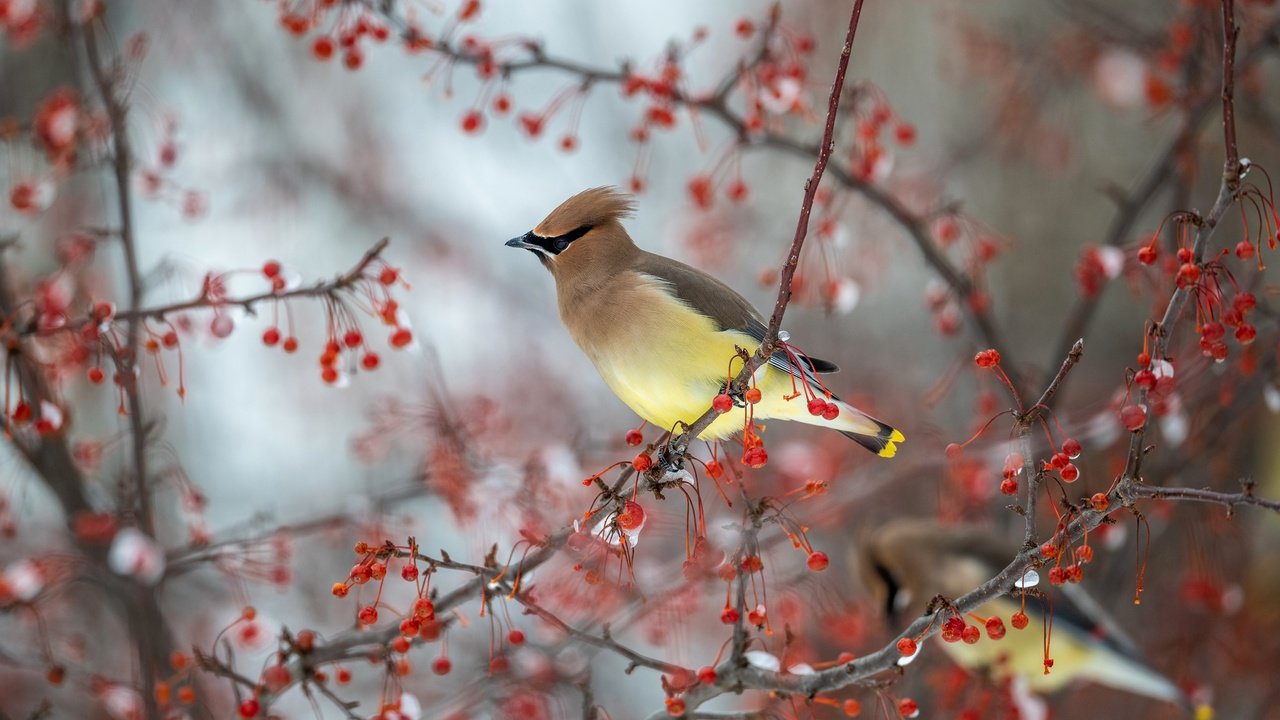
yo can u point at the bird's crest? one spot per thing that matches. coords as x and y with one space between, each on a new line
587 209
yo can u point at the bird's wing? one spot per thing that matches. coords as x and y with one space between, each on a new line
726 307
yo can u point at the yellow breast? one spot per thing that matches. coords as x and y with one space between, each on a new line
662 358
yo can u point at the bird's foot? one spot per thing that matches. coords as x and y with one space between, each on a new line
738 399
671 459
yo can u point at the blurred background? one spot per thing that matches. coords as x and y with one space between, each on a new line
1037 144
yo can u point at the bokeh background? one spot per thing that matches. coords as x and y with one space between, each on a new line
1031 119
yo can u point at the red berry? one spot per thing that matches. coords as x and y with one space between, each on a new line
353 59
707 675
368 615
817 561
401 337
1244 302
995 628
737 191
641 462
1246 334
472 122
1059 461
971 634
953 451
1244 250
908 708
250 708
1144 359
1057 575
634 437
409 573
352 338
952 629
756 458
323 48
744 28
1071 447
752 395
632 515
270 337
987 358
400 645
516 636
409 627
1145 379
276 678
715 469
498 664
675 706
729 616
1099 502
907 647
1133 417
290 344
423 609
817 406
96 375
1147 254
1019 620
722 403
370 361
831 412
1188 274
1212 331
1069 473
852 708
1184 255
271 269
442 665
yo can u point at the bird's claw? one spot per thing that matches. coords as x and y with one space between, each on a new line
671 460
736 397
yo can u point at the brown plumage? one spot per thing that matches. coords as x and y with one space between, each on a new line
661 333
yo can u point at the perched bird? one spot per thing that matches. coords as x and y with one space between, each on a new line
663 334
907 563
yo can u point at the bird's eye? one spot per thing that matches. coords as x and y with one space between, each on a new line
561 242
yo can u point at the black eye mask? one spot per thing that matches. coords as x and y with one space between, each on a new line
558 244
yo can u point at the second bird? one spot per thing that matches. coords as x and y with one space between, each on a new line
662 334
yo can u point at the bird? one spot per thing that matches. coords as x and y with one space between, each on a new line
663 334
908 562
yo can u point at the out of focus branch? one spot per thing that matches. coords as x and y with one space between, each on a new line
121 163
1229 500
1133 203
248 303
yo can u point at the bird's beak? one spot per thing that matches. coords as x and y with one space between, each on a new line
521 242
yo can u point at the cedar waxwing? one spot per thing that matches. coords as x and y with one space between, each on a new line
906 563
662 334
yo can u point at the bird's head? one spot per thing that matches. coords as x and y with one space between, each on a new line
583 231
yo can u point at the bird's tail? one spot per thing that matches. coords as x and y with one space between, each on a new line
883 443
872 434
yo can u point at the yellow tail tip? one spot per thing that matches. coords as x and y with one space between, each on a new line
897 436
1204 712
891 448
